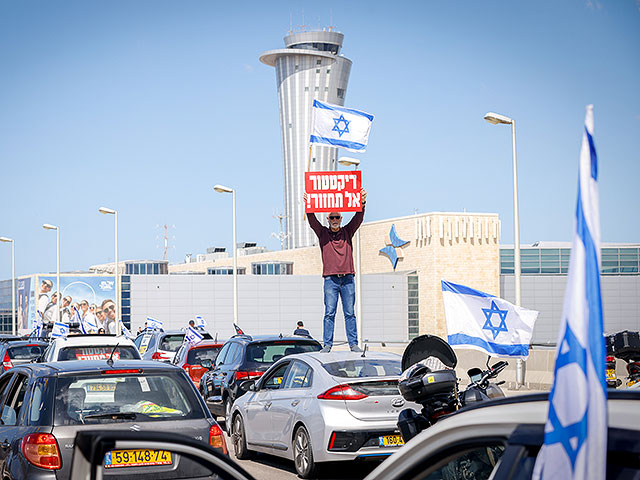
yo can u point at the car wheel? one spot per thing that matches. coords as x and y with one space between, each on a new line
303 453
239 440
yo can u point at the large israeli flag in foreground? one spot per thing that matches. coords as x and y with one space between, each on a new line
338 126
483 322
575 439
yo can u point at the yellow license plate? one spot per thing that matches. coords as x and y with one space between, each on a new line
611 374
101 387
391 441
136 458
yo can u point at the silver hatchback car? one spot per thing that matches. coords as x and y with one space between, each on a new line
320 407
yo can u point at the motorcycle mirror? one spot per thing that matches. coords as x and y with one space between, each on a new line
499 365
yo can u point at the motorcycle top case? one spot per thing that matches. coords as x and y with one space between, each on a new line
426 383
425 346
626 345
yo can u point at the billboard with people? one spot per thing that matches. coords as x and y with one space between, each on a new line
90 298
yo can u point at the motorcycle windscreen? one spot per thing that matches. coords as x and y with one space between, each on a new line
425 346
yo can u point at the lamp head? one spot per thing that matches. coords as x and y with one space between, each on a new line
496 118
348 161
222 189
48 226
106 210
6 239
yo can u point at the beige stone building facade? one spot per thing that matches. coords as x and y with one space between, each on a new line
458 247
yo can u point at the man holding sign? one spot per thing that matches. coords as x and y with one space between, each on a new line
337 266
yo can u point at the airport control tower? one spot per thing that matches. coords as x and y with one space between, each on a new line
309 67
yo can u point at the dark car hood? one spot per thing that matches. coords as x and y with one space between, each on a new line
426 346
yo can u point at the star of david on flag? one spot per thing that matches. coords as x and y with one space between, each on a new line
192 336
575 438
337 126
60 330
481 321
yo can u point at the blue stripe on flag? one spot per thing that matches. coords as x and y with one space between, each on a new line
462 290
594 156
337 143
516 350
317 104
592 290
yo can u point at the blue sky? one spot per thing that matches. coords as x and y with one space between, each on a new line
143 106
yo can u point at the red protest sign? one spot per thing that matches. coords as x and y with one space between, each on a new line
333 191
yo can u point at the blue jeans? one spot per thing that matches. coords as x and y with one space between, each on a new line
345 287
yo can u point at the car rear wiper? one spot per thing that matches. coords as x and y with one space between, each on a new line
113 416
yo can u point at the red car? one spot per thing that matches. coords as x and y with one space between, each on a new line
190 357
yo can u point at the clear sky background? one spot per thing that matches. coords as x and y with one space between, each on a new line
143 106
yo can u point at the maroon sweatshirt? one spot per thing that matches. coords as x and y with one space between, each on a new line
336 247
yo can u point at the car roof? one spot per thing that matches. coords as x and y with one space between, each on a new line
498 418
92 340
20 343
88 366
340 356
244 338
207 343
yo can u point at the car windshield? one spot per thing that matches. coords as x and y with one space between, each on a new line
197 355
364 367
105 397
25 352
269 352
124 352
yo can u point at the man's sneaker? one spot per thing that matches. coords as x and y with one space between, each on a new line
356 348
326 349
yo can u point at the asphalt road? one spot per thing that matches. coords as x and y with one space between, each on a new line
267 467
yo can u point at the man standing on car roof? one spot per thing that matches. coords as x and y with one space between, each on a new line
338 271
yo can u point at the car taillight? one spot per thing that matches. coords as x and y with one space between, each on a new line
6 363
41 450
342 392
241 375
121 371
158 356
216 439
610 359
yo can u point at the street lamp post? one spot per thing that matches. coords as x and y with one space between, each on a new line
347 162
116 272
495 119
47 226
223 189
14 326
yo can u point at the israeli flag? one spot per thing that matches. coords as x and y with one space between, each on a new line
200 322
338 126
153 324
192 336
37 326
86 325
487 323
60 330
126 332
575 439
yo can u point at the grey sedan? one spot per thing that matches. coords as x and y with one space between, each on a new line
321 407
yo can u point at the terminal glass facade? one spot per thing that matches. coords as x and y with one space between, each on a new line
536 261
272 268
147 268
414 305
225 271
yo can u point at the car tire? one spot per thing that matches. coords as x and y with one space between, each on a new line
306 467
239 439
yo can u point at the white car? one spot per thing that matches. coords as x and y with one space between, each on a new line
500 440
90 347
321 407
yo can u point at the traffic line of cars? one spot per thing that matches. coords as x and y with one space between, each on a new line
93 407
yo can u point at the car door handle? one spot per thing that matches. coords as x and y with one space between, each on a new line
267 405
295 402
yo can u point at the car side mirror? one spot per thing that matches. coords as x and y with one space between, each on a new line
206 364
248 386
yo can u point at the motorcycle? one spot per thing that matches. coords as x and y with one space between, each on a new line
624 345
429 379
